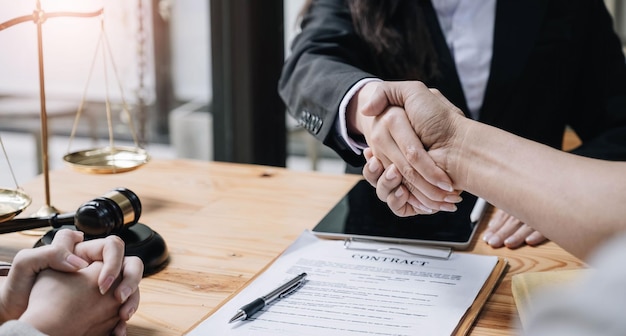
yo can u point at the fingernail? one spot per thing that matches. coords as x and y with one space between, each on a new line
106 284
533 240
445 186
390 174
125 293
453 199
495 241
373 165
399 192
486 237
448 207
131 312
76 261
425 209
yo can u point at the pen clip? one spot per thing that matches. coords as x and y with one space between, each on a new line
285 289
4 268
291 289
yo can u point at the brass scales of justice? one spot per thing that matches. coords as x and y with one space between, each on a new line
106 160
140 240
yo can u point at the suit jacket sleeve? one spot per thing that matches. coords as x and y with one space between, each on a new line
600 118
327 59
575 75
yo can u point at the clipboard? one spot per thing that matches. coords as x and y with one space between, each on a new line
216 320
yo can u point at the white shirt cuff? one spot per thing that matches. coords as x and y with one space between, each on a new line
356 146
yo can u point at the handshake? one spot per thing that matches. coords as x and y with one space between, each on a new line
418 154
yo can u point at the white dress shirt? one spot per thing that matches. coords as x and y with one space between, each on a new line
468 28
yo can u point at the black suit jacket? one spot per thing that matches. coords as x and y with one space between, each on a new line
555 63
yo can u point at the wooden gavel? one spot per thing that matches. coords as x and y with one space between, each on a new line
108 214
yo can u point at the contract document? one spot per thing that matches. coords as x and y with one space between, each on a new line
358 292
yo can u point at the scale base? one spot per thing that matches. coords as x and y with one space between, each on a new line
140 240
46 211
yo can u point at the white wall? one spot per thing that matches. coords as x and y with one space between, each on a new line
69 47
191 49
292 8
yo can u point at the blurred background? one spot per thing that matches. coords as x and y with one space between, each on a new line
199 78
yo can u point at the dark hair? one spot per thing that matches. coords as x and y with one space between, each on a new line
397 35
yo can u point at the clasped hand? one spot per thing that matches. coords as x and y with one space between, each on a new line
73 287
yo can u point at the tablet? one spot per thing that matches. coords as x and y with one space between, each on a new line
360 214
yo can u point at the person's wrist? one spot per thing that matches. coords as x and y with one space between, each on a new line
352 117
8 309
38 321
359 108
455 149
3 314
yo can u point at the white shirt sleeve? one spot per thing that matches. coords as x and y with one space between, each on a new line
591 305
18 328
342 128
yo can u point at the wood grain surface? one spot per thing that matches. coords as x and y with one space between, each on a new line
224 222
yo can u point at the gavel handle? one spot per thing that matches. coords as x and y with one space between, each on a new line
21 224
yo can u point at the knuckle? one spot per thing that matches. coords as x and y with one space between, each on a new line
412 153
64 234
137 262
376 137
115 240
370 178
407 171
381 195
390 117
20 257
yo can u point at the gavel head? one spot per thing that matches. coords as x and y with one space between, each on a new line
110 213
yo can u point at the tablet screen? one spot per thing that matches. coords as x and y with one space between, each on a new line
360 214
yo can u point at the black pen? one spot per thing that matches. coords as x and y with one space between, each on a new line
258 304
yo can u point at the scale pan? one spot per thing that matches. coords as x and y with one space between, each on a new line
107 160
12 202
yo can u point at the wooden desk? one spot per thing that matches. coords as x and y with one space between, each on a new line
224 222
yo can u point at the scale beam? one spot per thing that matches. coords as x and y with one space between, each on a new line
38 17
43 16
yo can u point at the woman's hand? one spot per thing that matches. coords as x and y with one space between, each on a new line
64 303
68 253
502 229
506 230
391 189
29 262
378 111
110 251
